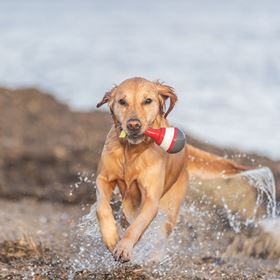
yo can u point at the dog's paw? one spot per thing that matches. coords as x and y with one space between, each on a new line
111 243
123 250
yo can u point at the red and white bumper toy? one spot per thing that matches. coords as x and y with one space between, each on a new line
170 139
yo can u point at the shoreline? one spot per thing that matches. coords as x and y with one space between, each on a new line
45 143
46 153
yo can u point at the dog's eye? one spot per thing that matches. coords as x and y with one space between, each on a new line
122 102
148 101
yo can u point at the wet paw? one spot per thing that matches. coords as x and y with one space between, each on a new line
111 241
123 250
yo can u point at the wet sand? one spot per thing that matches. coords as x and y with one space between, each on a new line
37 243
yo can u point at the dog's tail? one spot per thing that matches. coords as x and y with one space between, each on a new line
206 165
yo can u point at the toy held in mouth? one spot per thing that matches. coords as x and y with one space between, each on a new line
170 139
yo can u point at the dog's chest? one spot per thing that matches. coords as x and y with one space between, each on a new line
130 174
130 164
131 170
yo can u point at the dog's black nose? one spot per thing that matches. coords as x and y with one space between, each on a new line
133 124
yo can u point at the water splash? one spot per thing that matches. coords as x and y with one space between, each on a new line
91 253
234 219
154 253
263 180
83 178
198 234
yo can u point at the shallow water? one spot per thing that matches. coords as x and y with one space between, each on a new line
199 234
195 248
222 57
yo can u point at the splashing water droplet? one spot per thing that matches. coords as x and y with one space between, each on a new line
199 232
262 179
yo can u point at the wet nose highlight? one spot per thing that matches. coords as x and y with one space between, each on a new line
133 124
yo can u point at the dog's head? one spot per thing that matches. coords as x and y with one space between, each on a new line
136 103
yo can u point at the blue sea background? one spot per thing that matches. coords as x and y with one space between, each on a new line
222 57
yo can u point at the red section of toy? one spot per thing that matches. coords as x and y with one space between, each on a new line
170 139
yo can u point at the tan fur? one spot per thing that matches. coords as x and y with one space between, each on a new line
149 179
206 165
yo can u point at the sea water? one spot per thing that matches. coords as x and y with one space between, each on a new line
222 58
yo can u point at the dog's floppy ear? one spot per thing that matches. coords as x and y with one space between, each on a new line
166 92
106 98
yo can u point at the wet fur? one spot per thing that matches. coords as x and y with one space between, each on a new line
149 179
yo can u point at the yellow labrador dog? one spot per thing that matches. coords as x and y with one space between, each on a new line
148 178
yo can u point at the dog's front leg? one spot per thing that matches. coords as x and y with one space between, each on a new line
149 209
104 212
123 250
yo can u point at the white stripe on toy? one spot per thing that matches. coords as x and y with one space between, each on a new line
168 137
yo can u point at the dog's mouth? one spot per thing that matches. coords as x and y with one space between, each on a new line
135 138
